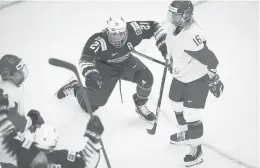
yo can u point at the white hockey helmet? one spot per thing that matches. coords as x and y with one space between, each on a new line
117 31
46 137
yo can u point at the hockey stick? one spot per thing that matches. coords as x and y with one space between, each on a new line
73 68
153 130
149 58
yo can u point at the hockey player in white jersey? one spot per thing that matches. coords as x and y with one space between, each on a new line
39 150
13 74
193 67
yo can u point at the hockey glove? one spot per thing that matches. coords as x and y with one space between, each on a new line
93 80
161 45
4 102
216 87
94 129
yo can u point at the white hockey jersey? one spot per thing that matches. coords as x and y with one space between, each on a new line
186 68
15 94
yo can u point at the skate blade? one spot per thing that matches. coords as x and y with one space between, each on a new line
199 160
179 143
194 163
147 121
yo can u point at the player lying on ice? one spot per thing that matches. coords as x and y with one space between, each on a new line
107 59
14 73
39 150
193 67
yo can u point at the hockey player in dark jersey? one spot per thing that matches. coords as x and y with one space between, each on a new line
107 59
40 150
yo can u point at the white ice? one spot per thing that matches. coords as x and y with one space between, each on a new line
37 31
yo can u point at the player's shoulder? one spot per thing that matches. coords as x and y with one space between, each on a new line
134 27
98 36
98 41
137 26
196 30
196 37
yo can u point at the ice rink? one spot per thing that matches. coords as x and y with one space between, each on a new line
37 31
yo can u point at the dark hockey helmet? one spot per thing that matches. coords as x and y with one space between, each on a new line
180 11
13 69
117 31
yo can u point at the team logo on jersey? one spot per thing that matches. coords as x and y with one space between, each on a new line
176 70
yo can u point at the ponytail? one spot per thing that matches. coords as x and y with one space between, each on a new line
40 161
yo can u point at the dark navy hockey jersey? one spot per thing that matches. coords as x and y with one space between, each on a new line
98 46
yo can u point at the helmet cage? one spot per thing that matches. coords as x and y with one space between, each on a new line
117 31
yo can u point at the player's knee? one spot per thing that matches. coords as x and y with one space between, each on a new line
79 96
144 78
193 119
192 114
177 106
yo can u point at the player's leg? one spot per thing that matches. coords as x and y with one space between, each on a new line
135 71
96 98
195 97
176 95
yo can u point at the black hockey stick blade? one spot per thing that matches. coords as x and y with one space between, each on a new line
63 64
152 131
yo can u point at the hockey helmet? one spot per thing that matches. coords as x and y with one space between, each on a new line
117 31
13 69
180 11
46 137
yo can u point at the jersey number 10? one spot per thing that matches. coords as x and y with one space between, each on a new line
197 40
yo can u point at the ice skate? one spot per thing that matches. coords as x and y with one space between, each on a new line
194 157
179 138
67 89
143 112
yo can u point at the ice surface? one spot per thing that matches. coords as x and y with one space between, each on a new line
37 31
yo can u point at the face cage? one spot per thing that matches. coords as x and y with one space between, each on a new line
18 77
118 39
177 19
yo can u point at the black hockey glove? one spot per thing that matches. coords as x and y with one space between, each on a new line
93 80
161 45
94 129
4 102
216 87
